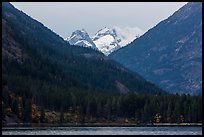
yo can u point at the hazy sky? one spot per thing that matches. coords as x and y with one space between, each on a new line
66 17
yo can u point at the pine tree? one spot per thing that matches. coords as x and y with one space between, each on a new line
42 115
15 106
61 116
27 111
169 112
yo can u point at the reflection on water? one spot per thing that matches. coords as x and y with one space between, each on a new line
104 131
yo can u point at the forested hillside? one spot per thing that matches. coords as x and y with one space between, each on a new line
169 54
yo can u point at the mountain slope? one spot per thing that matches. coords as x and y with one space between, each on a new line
170 54
37 63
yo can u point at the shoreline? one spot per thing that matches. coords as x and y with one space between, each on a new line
44 125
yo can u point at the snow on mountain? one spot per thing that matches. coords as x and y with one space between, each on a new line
127 34
106 40
81 38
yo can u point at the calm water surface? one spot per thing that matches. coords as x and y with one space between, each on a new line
104 131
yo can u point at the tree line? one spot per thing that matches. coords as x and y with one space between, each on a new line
92 107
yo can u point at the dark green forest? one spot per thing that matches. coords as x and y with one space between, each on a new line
91 107
46 80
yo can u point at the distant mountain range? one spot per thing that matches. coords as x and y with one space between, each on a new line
169 54
105 40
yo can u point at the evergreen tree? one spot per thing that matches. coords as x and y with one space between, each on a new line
27 111
61 116
42 115
169 112
15 106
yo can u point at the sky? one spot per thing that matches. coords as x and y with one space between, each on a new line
65 17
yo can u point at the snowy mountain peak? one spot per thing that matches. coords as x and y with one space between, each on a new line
105 30
80 34
107 39
81 38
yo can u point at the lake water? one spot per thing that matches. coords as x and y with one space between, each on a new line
104 131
